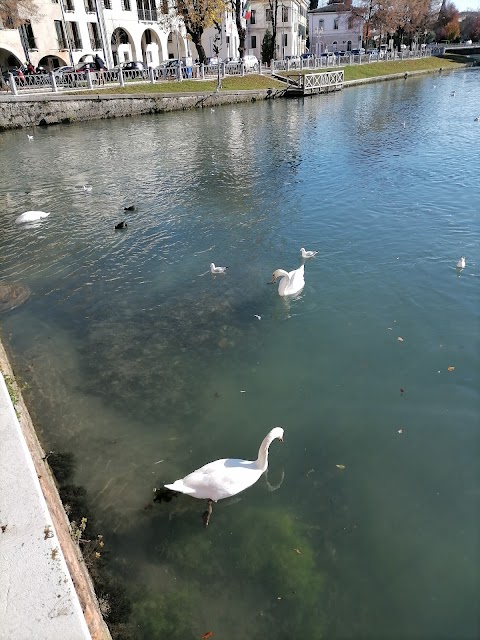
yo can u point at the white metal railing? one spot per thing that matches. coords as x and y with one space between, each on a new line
318 82
49 82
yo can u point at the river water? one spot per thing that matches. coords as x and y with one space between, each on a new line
146 366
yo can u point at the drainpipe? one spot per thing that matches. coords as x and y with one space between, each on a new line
65 31
107 56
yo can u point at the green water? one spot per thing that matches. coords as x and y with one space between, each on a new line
146 366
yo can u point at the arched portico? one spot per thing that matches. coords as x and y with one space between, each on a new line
8 59
152 50
123 48
176 47
51 62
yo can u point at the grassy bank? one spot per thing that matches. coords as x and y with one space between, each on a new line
375 69
255 82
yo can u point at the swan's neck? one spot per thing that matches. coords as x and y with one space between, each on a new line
262 460
285 281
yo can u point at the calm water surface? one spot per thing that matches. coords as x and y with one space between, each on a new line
146 366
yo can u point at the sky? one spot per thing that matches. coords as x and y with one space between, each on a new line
463 5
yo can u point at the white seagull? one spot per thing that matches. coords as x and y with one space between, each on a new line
30 138
31 216
308 254
453 94
214 269
87 187
461 263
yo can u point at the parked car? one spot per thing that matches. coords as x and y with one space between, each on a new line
305 56
86 67
214 60
357 52
251 63
59 73
134 65
169 69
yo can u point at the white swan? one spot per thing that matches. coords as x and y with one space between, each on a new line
214 269
227 477
461 263
31 216
291 283
307 254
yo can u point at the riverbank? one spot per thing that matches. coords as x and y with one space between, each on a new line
27 111
48 592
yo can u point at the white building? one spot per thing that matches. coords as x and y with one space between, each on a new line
67 32
291 28
334 27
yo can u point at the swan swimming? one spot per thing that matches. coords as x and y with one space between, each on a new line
214 269
308 254
292 282
227 477
461 263
31 216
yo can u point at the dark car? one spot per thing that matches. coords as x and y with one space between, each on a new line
86 67
305 56
134 65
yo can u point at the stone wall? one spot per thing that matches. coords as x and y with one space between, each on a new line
31 110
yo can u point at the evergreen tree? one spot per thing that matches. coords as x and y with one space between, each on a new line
267 47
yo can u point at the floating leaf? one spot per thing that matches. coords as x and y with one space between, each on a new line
298 551
207 635
451 368
400 339
340 466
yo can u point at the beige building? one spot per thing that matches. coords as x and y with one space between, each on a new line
334 27
291 28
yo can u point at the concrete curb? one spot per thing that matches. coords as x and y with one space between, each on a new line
46 592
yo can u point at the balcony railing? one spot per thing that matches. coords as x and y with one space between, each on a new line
148 15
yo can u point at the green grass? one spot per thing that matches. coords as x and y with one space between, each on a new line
251 82
374 69
256 82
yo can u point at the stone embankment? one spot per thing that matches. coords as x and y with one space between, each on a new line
46 589
37 110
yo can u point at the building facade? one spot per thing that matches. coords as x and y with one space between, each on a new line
334 27
68 32
291 28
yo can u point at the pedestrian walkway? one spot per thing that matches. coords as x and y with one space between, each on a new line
37 598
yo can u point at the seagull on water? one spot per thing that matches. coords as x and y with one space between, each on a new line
87 187
453 94
308 254
477 119
30 138
214 269
461 263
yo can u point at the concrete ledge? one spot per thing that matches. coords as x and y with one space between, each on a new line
46 591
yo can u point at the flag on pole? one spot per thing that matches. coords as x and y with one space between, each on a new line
247 10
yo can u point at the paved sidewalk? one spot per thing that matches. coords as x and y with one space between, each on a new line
37 598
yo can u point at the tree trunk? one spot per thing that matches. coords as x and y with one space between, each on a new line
241 30
197 41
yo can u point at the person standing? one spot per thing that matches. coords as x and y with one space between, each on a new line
100 67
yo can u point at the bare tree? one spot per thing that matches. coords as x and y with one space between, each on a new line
14 13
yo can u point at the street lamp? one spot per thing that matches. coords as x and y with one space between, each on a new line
318 31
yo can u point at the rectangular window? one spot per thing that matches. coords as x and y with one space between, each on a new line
27 36
69 5
285 39
125 4
268 15
284 14
253 42
89 6
335 23
74 35
321 25
107 4
252 16
61 39
93 32
146 10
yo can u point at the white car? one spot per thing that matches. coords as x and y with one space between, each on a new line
251 63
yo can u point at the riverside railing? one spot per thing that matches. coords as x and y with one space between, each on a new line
90 80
